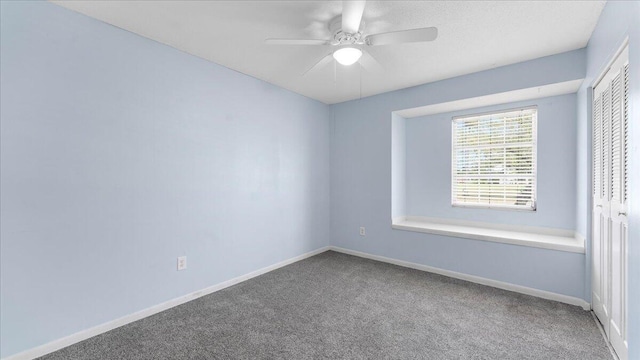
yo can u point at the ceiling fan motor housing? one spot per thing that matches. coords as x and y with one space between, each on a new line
343 38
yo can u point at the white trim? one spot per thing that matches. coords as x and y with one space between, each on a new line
603 73
507 227
110 325
536 92
545 238
472 278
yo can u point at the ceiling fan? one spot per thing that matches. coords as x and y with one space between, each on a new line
349 42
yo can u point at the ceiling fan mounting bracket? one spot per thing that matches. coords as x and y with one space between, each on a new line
343 38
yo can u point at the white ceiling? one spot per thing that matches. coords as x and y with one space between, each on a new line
473 36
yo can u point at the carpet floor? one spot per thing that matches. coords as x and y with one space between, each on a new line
337 306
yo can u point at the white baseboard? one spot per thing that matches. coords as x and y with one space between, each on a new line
99 329
472 278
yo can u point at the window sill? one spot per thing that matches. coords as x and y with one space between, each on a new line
553 239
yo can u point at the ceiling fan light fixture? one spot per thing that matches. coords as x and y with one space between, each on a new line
347 56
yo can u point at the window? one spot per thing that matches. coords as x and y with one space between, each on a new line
494 160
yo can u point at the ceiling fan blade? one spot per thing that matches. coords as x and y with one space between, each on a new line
296 42
352 15
403 36
320 64
370 64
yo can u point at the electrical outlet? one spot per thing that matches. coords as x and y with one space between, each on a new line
362 232
182 262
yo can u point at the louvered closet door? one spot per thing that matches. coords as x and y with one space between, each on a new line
601 155
618 201
610 196
600 208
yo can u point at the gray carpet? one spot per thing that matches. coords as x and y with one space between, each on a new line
336 306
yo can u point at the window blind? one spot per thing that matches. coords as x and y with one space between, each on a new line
494 160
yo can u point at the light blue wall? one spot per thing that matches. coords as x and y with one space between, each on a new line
120 154
361 181
619 20
428 167
398 166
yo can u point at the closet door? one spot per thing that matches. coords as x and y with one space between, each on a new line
610 196
618 201
600 219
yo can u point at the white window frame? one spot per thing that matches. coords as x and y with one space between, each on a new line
534 145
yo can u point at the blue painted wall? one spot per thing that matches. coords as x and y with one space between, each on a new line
120 154
361 180
619 20
428 167
398 166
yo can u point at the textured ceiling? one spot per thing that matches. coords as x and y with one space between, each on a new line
473 36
